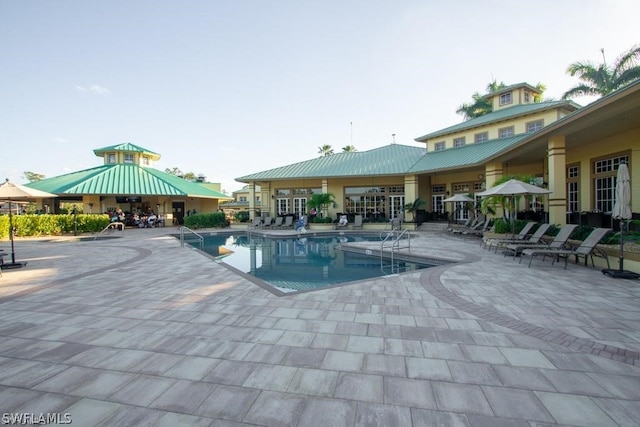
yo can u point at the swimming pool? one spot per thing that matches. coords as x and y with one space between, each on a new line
294 264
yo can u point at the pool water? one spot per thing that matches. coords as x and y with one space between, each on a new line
293 264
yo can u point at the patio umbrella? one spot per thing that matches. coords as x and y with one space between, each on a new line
459 198
622 211
513 188
11 192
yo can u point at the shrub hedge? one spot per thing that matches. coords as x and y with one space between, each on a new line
30 225
206 220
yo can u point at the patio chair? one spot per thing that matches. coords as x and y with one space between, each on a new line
558 242
288 222
488 243
470 222
267 222
587 249
357 222
256 223
522 235
479 230
277 223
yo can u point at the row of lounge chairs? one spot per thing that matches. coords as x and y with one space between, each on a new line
475 228
279 223
558 248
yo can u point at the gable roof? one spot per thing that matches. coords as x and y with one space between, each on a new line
124 179
388 160
128 147
500 115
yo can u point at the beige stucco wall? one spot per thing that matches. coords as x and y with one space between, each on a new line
519 127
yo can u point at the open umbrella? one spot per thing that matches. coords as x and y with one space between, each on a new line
513 188
622 211
459 198
12 192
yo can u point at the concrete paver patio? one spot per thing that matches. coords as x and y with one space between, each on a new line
140 331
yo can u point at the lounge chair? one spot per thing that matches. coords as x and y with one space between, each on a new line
588 248
470 222
534 238
288 222
479 230
277 223
357 222
267 222
558 242
256 223
488 243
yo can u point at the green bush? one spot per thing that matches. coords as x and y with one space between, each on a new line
319 220
503 226
206 220
242 216
52 225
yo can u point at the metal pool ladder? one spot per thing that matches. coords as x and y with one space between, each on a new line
196 237
392 240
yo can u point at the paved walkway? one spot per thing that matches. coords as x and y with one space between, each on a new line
140 331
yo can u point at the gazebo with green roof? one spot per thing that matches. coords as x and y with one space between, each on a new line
126 180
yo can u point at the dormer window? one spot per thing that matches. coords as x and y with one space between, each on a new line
111 158
128 158
439 146
145 160
527 96
458 142
506 98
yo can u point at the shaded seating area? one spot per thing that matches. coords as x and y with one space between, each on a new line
587 249
559 241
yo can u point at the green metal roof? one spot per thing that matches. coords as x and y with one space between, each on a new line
392 159
124 179
500 115
467 155
389 160
126 146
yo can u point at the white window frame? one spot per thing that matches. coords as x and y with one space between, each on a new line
459 142
534 126
439 146
129 158
506 98
481 137
506 132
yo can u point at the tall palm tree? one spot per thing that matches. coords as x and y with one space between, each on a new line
602 79
325 150
349 149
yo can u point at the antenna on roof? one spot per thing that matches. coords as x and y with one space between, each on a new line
351 126
393 135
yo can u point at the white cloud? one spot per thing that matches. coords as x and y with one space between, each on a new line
97 89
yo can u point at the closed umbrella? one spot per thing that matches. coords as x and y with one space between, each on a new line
512 188
11 192
622 211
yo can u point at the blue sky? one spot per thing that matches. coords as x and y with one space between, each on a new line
228 88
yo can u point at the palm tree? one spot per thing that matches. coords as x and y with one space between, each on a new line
480 105
603 79
413 207
325 150
349 149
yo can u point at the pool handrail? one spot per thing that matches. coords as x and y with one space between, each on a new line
199 237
